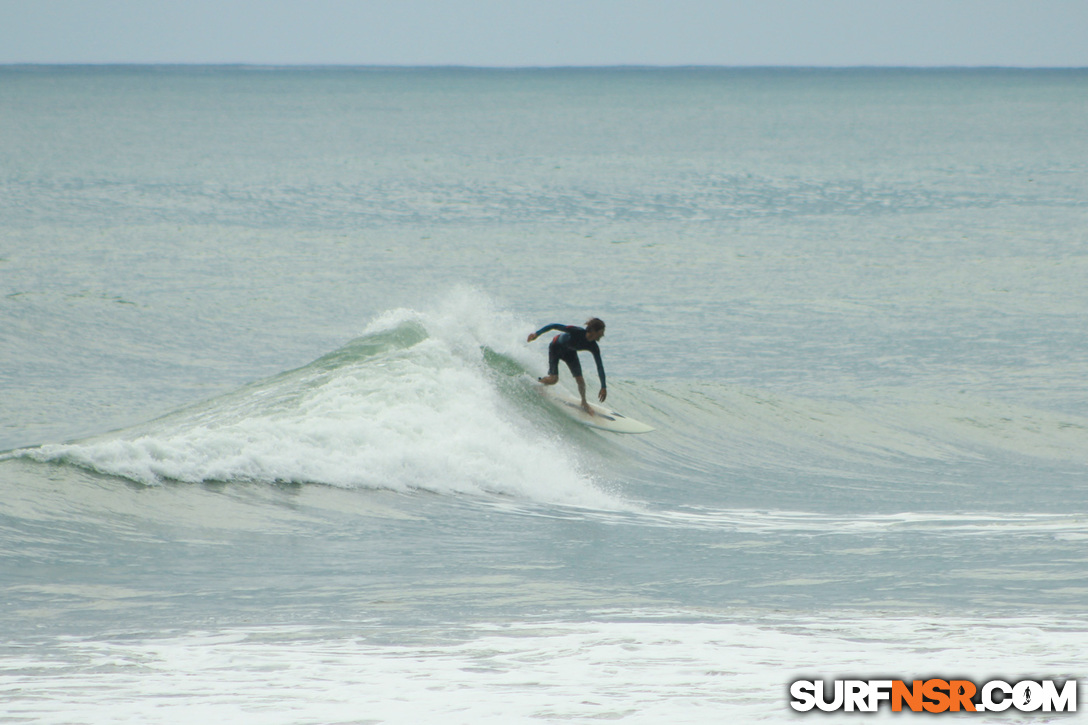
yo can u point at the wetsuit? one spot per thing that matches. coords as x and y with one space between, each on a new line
565 347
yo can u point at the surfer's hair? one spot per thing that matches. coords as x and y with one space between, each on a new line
593 324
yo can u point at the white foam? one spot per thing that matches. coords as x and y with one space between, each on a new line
633 671
1067 526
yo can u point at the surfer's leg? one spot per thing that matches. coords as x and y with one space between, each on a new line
581 387
571 359
575 366
553 366
582 392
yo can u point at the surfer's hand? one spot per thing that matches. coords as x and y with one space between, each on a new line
602 395
532 336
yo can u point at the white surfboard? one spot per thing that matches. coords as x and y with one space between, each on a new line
602 418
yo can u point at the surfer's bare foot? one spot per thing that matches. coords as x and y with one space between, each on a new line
586 406
549 379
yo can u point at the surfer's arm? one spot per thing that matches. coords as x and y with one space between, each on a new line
546 328
600 372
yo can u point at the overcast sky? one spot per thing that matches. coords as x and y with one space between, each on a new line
549 32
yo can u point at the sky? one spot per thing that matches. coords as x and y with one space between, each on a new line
548 33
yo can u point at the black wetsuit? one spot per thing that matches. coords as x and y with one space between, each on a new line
565 347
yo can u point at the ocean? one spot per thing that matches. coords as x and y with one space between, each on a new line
272 449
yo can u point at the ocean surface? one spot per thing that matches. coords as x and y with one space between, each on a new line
273 452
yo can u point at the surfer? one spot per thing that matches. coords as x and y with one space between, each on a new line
565 347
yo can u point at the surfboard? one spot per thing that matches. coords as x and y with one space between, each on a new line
602 419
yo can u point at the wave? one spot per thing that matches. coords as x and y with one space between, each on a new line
434 401
846 436
442 401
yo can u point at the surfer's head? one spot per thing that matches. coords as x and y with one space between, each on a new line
594 329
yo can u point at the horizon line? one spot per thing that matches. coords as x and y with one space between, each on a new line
463 66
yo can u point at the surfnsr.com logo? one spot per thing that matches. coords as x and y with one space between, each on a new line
934 695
